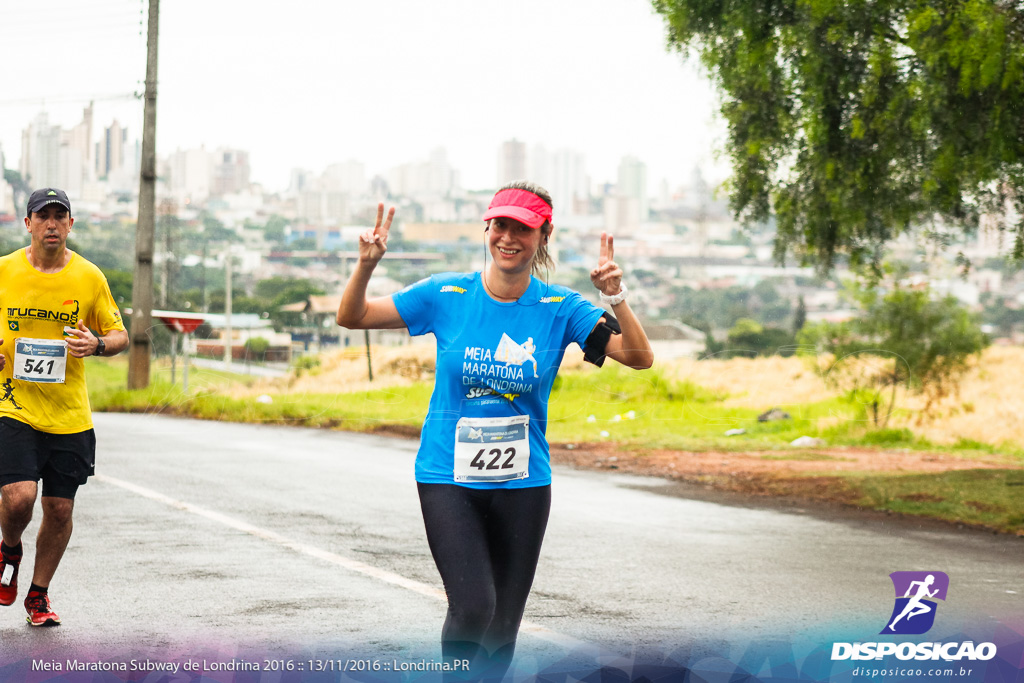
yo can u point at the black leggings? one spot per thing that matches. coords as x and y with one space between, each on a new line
485 543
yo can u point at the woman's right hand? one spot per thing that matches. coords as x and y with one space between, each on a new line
374 243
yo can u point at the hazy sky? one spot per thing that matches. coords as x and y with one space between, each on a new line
306 83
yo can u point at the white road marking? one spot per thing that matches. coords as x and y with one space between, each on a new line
535 630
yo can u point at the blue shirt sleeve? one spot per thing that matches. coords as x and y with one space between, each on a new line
583 316
415 304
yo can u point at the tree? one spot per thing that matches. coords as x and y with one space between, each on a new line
257 347
904 337
120 282
214 230
274 229
21 188
1002 312
721 308
278 291
749 338
800 315
851 121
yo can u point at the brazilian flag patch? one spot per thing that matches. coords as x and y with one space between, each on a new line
13 324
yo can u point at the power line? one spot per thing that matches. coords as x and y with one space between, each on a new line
71 99
77 9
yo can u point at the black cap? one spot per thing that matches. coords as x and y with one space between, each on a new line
48 195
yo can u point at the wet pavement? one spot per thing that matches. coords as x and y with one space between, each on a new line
230 542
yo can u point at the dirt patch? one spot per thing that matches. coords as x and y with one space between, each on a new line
797 474
760 464
398 430
803 479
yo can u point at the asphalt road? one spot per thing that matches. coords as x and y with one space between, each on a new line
225 542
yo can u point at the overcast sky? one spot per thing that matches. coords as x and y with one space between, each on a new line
305 83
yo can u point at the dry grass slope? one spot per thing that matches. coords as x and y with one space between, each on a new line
987 409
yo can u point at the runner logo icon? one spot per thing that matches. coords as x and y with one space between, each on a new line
916 592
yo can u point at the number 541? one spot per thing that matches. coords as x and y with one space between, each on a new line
40 367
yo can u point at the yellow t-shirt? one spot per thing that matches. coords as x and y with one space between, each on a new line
36 305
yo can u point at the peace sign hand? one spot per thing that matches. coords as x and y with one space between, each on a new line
607 277
374 243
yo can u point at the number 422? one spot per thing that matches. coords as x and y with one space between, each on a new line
479 463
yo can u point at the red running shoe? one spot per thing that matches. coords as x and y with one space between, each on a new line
9 577
38 607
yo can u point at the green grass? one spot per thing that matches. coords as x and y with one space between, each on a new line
359 411
667 414
990 498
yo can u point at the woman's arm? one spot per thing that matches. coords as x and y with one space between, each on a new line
631 348
356 312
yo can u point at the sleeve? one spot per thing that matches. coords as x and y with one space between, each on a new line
104 316
415 304
583 316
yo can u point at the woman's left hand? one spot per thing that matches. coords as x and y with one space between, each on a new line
607 277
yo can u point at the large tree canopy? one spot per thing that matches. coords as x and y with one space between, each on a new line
852 120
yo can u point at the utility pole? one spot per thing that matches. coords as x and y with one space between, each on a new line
168 210
142 286
227 308
369 361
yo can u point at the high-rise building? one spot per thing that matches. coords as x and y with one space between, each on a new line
230 171
71 169
300 180
432 178
632 184
79 139
563 174
511 161
6 191
40 152
110 149
318 207
189 172
347 177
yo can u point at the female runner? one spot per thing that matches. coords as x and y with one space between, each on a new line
483 469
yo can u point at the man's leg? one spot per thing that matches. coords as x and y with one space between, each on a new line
53 537
51 542
16 503
69 465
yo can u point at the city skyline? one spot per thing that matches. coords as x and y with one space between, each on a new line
322 85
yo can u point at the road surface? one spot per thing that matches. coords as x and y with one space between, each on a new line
220 542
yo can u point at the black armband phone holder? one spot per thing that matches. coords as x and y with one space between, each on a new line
597 342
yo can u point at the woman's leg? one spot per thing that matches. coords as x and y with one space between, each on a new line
516 523
485 543
454 518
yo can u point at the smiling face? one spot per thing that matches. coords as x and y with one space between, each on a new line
513 244
49 228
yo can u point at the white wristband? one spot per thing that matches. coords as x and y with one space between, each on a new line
615 299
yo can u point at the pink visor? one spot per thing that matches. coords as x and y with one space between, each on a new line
525 207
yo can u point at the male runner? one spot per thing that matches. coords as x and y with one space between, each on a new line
50 301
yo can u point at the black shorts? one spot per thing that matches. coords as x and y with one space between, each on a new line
63 461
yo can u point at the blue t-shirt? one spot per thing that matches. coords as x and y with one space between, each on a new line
494 360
